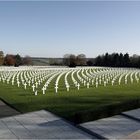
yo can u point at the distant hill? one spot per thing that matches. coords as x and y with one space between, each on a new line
46 61
40 61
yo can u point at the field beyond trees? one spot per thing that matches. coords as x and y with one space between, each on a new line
79 95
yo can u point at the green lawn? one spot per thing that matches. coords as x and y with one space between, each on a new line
77 106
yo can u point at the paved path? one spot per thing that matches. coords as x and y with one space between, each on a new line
45 125
39 125
116 127
5 110
135 135
134 114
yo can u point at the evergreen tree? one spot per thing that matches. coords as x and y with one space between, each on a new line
18 60
126 60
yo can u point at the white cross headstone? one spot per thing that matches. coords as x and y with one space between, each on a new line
35 93
104 83
112 83
67 86
125 81
18 83
100 81
33 87
39 82
84 83
66 82
25 85
56 89
119 82
29 82
78 86
75 83
36 84
12 82
45 85
43 89
92 82
87 85
23 81
96 84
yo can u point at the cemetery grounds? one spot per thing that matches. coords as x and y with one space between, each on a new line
77 94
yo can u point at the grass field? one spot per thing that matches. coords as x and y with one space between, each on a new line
76 105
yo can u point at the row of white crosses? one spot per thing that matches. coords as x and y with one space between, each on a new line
90 78
73 79
66 80
81 79
98 77
136 76
76 83
126 77
52 76
35 77
25 83
117 76
44 88
131 77
57 81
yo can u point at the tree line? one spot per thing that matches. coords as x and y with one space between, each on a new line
117 60
107 60
72 60
14 60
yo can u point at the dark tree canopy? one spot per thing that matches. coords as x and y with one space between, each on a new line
18 60
9 60
108 60
90 62
117 60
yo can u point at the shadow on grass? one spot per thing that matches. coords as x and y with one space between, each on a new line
103 112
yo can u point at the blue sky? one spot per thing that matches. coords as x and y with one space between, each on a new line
54 28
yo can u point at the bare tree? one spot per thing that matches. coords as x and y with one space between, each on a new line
69 60
27 60
81 59
1 57
66 59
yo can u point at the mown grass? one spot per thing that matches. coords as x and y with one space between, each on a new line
76 106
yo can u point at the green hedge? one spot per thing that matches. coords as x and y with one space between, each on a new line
103 112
